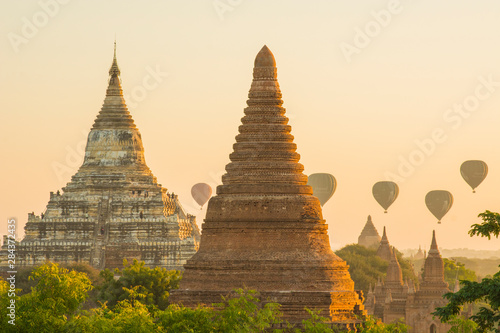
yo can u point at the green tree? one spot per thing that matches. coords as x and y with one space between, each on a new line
241 312
179 319
23 281
244 313
489 227
373 325
454 270
365 267
129 315
318 324
57 294
315 324
5 307
462 325
487 291
154 283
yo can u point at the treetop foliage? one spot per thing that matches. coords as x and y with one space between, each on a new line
154 283
454 270
56 298
487 291
489 227
365 267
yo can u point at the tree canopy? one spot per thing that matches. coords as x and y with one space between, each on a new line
57 293
365 267
454 270
487 291
154 283
55 302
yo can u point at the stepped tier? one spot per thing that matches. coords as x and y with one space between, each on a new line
113 208
264 229
369 236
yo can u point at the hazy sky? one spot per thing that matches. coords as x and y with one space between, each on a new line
372 89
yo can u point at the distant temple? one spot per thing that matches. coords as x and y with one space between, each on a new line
384 250
392 299
264 230
113 208
420 254
369 236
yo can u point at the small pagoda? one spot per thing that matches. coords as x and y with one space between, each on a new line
369 236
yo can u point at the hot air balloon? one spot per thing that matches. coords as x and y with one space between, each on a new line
439 203
201 192
474 172
323 185
385 193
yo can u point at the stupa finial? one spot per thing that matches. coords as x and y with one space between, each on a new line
114 71
265 58
434 243
384 236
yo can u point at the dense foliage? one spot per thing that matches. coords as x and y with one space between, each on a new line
454 270
487 291
57 296
366 267
482 267
154 283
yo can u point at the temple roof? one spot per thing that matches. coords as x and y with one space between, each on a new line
369 236
420 253
433 277
114 112
394 273
264 143
434 247
369 229
114 140
384 250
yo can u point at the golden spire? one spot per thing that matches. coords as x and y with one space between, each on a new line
114 71
434 243
114 113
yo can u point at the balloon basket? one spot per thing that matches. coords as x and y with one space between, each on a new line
385 212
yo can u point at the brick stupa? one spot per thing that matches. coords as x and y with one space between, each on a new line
384 250
264 230
113 208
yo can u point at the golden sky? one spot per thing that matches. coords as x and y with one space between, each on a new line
373 89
